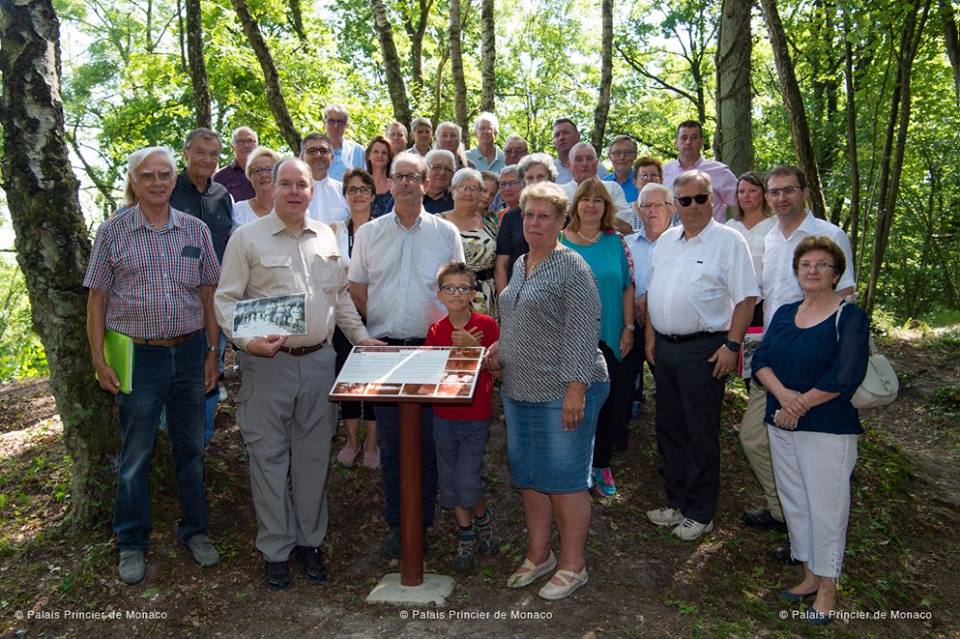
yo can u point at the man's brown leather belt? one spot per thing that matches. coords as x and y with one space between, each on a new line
172 341
297 351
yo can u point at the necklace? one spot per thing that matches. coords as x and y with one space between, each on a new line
589 240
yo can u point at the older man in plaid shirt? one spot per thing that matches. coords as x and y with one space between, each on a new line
151 276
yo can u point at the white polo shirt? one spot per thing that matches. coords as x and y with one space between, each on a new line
696 283
779 284
399 267
327 204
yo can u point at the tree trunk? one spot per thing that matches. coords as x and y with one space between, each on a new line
853 162
52 243
296 17
271 79
487 100
793 100
890 172
734 139
198 70
416 32
456 68
606 77
952 41
391 62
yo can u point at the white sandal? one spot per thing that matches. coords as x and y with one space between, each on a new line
571 581
529 572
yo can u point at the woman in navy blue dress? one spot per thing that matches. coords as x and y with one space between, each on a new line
811 361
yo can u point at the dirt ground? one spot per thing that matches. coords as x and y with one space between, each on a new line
643 583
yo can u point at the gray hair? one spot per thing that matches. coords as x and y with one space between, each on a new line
256 154
511 169
463 175
240 129
386 129
582 145
653 187
538 158
693 176
413 158
447 125
440 153
486 116
421 121
203 133
323 137
135 159
622 138
336 108
513 138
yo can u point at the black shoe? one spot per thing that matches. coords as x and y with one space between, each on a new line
781 554
762 520
276 574
391 545
311 563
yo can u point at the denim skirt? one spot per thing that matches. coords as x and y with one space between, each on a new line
542 455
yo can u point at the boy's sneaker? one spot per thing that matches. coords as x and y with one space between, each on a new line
690 529
465 550
487 542
665 516
603 484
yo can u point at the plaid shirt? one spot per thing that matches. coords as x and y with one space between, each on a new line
152 275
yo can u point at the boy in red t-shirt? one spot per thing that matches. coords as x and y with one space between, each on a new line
460 430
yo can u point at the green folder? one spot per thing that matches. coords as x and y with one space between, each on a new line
118 351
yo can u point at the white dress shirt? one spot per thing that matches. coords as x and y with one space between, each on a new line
755 240
613 189
696 283
723 181
399 267
779 284
327 204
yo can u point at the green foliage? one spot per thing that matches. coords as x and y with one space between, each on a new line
21 353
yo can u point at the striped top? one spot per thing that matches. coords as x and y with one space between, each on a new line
152 275
549 328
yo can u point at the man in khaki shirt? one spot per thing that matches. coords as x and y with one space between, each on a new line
283 409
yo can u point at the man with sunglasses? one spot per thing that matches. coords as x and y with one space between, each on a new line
689 145
393 281
327 204
699 303
787 194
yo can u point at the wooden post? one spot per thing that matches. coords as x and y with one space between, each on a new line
411 495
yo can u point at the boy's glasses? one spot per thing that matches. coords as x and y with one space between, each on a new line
456 290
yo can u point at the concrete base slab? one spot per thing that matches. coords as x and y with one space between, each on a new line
435 589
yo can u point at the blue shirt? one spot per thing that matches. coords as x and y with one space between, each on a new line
805 358
350 155
641 250
629 188
608 261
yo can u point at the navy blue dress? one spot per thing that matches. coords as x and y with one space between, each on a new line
805 358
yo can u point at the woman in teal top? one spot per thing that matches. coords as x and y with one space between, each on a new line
591 233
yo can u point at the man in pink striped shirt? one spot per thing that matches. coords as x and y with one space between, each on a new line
689 144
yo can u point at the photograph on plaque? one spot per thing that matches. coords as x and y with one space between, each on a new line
281 315
444 373
470 365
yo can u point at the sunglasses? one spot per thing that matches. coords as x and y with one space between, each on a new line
686 201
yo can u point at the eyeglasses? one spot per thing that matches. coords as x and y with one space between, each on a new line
658 205
357 190
456 290
700 199
648 176
317 150
469 189
787 190
510 183
408 178
816 266
263 170
335 122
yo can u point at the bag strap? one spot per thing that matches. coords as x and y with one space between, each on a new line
837 322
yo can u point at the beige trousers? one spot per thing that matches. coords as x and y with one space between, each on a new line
756 446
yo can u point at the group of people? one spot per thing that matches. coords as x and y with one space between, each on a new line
573 277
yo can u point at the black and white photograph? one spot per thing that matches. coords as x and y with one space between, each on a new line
281 315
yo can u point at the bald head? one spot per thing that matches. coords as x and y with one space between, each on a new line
292 189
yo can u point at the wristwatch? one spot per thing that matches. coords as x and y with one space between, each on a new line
211 349
628 327
732 345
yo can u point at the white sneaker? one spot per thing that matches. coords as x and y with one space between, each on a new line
689 529
224 395
665 516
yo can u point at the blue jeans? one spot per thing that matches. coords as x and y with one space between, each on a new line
168 378
210 402
388 433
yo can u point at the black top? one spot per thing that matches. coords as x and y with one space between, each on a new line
213 206
510 240
442 204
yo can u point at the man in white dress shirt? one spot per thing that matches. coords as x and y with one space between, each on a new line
689 145
699 303
327 204
393 281
583 164
787 194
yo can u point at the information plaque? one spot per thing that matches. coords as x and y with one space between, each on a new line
424 374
